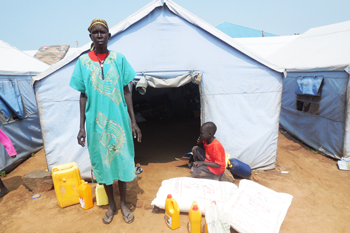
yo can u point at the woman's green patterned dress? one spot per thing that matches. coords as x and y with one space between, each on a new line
109 135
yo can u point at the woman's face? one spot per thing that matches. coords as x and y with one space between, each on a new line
100 36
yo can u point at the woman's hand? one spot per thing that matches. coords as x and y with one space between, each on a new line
81 137
136 132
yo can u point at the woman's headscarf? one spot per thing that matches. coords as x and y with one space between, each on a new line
96 22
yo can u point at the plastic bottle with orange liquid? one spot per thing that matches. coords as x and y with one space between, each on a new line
195 217
85 195
172 213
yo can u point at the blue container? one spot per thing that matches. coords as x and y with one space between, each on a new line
240 169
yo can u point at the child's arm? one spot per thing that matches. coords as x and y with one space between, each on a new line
214 160
202 163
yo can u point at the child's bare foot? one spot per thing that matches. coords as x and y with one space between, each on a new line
127 215
3 192
108 217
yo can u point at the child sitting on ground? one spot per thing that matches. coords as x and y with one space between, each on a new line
209 156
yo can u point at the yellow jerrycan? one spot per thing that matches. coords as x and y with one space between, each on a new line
195 217
101 195
66 180
172 213
85 195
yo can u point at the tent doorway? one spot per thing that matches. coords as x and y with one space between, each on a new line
169 119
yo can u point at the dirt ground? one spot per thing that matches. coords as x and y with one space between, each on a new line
320 191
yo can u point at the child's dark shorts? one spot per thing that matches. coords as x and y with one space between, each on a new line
203 171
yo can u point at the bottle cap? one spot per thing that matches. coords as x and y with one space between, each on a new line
169 196
195 207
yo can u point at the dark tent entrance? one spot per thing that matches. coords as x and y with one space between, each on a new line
169 119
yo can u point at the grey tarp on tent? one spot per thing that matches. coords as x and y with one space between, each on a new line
240 92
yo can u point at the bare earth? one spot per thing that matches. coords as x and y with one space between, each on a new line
320 194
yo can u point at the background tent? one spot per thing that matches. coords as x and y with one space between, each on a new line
168 46
18 110
238 31
265 46
315 106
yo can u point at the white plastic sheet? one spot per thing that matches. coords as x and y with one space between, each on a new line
323 48
344 164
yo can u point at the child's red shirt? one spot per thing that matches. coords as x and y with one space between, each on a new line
215 153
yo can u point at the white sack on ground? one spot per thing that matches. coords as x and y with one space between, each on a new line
185 190
254 208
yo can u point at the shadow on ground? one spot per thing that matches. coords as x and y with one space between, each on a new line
302 144
12 184
132 190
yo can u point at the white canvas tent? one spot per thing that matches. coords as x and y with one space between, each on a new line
265 46
315 106
165 43
15 62
18 111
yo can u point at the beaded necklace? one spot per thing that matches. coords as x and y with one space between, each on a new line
101 63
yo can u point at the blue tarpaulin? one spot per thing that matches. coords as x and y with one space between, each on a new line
5 111
24 132
19 118
323 131
10 95
309 85
28 97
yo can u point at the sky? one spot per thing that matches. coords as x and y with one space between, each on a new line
28 25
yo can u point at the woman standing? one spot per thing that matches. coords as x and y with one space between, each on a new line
102 77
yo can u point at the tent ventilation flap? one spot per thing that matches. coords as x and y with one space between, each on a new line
309 85
165 79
